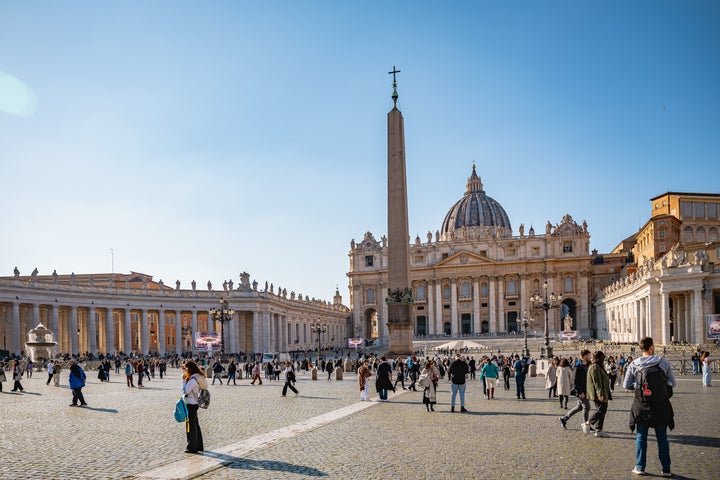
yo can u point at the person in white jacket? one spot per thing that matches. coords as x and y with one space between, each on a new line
193 381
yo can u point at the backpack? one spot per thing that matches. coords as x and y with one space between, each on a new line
524 368
181 411
204 398
652 387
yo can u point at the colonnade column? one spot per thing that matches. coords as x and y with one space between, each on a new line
144 332
15 329
454 320
73 328
36 314
698 315
193 327
55 321
256 331
492 320
430 311
438 307
110 331
178 332
232 343
127 336
92 331
265 320
663 326
161 332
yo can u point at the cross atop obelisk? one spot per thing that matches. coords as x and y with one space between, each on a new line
394 94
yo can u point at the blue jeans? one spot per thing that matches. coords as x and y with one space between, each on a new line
641 446
455 389
520 385
383 394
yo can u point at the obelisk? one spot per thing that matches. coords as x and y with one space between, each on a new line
399 297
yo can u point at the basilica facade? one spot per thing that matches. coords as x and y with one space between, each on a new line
476 276
110 313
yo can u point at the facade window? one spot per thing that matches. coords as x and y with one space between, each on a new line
662 233
687 234
484 290
686 210
369 260
712 234
483 253
465 289
712 210
699 209
535 251
567 246
420 293
662 248
568 284
419 259
444 256
700 234
510 252
512 287
446 291
370 296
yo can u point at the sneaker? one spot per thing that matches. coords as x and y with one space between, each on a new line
585 427
463 409
452 409
563 422
637 471
666 474
601 433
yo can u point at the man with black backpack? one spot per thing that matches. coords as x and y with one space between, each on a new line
652 379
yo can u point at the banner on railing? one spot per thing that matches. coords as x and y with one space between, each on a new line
207 342
569 336
356 342
713 326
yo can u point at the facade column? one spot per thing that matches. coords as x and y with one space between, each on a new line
492 320
92 331
664 323
73 327
55 322
210 324
439 327
161 331
501 319
430 292
383 332
178 332
127 332
265 320
36 314
454 319
698 316
194 328
476 306
232 337
144 332
257 329
110 331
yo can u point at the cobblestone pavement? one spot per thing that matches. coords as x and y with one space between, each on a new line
126 433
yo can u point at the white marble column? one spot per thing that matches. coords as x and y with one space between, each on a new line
73 327
92 331
265 320
476 306
127 332
178 332
36 314
699 329
161 332
438 307
144 332
210 323
55 322
232 334
501 318
194 327
664 323
454 317
492 320
430 292
383 331
257 330
110 331
14 340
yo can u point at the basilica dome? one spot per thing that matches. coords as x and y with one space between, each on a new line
475 215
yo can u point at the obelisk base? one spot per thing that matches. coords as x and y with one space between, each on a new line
400 329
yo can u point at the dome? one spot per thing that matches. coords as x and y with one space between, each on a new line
475 214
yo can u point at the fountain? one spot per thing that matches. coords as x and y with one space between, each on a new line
40 343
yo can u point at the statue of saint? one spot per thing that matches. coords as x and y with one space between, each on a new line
230 284
244 282
16 272
209 286
193 284
568 323
522 230
34 274
72 278
548 227
254 285
55 276
225 285
177 284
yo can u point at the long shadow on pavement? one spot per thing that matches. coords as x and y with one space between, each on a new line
244 464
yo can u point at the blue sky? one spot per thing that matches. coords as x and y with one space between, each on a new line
202 139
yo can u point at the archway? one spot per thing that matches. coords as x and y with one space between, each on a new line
447 328
371 327
569 307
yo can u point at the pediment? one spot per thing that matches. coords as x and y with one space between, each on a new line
465 258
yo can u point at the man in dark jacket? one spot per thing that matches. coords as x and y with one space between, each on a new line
458 370
580 388
646 413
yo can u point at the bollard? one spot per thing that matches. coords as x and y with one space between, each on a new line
532 370
338 373
313 373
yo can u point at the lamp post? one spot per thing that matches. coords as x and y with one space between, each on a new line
222 315
525 323
545 302
318 328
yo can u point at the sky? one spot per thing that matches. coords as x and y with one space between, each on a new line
196 140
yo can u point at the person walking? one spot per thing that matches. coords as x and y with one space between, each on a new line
364 374
612 370
383 379
77 382
428 381
400 375
3 378
129 370
489 374
706 364
57 368
519 367
17 376
193 381
217 369
551 378
598 390
458 371
232 370
506 373
50 367
329 369
564 382
140 369
289 379
645 376
256 374
580 387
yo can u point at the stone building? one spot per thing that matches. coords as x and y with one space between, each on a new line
670 289
475 275
108 313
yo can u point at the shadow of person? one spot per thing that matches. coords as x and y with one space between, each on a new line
237 463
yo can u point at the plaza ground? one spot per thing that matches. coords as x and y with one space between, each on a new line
253 432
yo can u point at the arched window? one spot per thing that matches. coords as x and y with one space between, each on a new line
465 289
536 286
687 234
370 295
712 234
512 287
568 286
420 292
700 234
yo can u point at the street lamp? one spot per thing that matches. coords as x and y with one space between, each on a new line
318 328
545 302
222 315
525 323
